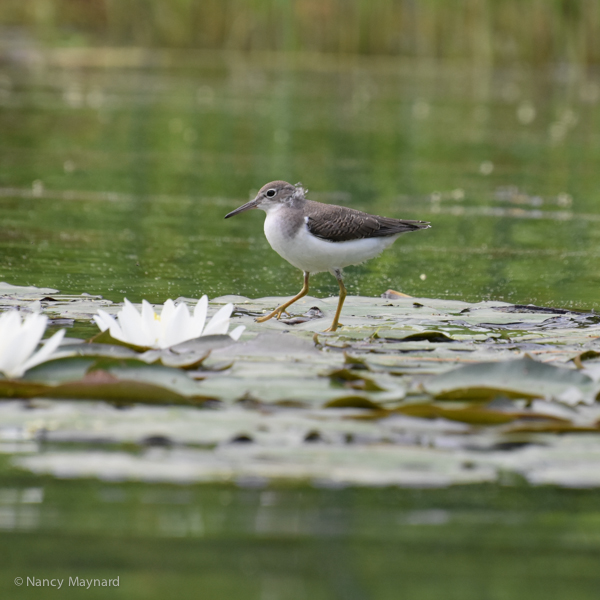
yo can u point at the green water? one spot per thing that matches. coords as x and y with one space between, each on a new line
116 180
225 542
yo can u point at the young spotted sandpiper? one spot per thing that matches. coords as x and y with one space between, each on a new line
317 237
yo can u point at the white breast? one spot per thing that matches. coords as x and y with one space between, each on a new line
312 254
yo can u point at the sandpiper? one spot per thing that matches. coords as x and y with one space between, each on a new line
316 237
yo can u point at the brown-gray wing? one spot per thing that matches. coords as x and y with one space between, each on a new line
340 224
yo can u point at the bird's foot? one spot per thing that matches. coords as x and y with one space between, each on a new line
333 327
266 317
276 313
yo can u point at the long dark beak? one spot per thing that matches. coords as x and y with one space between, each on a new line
248 206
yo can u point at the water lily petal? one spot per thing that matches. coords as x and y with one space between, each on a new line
103 320
101 324
173 326
151 323
10 325
237 332
130 313
11 367
179 326
168 310
24 338
132 326
166 315
219 324
200 311
29 337
45 351
106 321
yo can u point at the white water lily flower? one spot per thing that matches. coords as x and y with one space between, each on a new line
172 326
18 340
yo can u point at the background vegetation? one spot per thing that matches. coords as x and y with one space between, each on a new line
499 31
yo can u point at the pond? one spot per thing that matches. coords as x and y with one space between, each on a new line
116 170
467 542
115 179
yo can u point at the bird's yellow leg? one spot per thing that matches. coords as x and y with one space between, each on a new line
338 312
281 309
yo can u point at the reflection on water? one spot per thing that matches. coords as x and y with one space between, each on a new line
241 542
116 180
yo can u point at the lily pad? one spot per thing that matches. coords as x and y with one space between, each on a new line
105 385
353 402
30 292
435 337
521 378
354 380
474 414
109 379
60 370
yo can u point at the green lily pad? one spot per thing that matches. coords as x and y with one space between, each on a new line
20 389
60 370
106 378
105 385
357 380
30 292
435 337
473 414
97 350
353 402
521 378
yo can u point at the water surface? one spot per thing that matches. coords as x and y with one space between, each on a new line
468 542
115 180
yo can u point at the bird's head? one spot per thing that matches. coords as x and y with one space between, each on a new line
272 195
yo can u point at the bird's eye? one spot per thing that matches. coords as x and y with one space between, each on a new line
271 193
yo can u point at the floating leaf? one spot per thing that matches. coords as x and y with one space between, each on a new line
353 402
357 380
24 292
20 389
96 350
109 379
435 337
61 370
168 378
355 361
550 426
104 385
521 378
587 355
477 415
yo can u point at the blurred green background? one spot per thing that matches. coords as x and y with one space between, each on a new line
502 32
129 128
